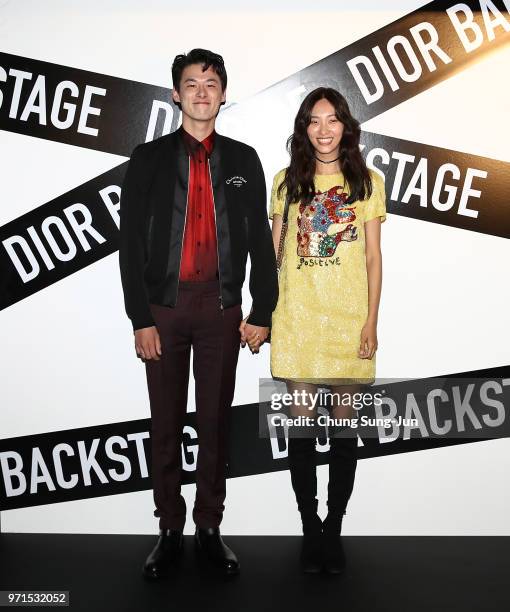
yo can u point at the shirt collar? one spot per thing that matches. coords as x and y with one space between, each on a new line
192 144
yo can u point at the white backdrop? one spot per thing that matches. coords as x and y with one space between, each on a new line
68 359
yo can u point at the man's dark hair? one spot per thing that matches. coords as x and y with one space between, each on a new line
199 56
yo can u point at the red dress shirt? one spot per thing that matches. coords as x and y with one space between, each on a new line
199 260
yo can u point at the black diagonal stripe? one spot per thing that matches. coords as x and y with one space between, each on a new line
442 186
104 113
116 458
406 67
60 237
335 69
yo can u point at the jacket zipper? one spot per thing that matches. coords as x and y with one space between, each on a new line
183 232
216 229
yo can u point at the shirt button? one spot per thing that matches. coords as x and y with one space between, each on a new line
198 243
199 216
200 189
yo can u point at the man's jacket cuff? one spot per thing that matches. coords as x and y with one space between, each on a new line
141 323
260 318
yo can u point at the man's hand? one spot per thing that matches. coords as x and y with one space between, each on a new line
147 343
253 335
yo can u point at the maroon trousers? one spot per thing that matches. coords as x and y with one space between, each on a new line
196 321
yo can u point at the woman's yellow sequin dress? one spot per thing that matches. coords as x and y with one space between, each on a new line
323 299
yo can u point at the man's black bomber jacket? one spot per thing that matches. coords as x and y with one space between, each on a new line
152 219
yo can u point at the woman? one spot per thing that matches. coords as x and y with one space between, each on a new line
324 328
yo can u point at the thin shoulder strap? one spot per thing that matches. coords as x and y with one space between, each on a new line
286 209
279 256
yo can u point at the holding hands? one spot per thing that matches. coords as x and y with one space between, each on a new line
148 342
253 335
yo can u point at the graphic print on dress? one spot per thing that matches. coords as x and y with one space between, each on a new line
324 223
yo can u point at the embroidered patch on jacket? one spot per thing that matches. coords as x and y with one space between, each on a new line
238 181
324 223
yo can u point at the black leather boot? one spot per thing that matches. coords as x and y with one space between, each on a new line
211 546
311 546
303 473
343 459
165 556
333 550
343 456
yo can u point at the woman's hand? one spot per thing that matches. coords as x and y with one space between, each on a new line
368 340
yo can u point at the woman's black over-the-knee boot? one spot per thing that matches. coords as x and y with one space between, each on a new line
343 457
303 472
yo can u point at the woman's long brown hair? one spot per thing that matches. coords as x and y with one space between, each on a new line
299 176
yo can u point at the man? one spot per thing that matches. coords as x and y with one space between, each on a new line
193 206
